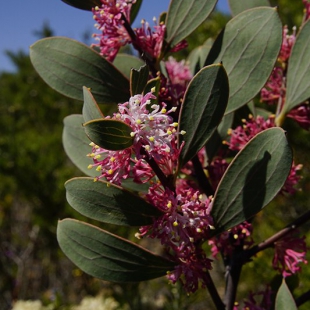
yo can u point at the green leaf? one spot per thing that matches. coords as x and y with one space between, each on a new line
109 203
138 80
252 179
248 47
198 56
76 143
91 109
109 134
135 10
67 65
124 63
284 298
298 80
107 256
83 4
202 110
184 17
238 6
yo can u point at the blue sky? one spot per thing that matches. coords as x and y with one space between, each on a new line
19 19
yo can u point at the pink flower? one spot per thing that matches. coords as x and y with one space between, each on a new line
184 225
307 9
216 170
289 253
240 136
287 44
154 135
274 88
265 303
179 76
113 34
150 41
292 180
114 166
301 115
238 237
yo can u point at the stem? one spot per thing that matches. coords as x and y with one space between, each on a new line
135 42
203 181
303 298
280 234
166 181
232 279
214 293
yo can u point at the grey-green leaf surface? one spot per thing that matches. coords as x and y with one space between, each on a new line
203 107
91 109
284 298
238 6
76 143
83 4
184 17
124 63
67 65
109 134
138 80
298 78
109 203
252 179
248 47
107 256
197 57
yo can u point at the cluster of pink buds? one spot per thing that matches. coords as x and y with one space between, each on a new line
289 253
184 225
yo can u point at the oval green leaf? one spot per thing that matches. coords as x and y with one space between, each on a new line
184 17
252 179
298 79
203 107
124 63
109 203
138 80
67 65
107 256
86 5
91 109
284 298
76 144
109 134
248 47
238 6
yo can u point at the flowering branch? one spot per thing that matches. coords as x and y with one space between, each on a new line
276 237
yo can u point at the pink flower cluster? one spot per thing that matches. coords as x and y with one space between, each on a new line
238 237
179 76
240 136
289 253
113 34
113 22
184 225
261 300
154 136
